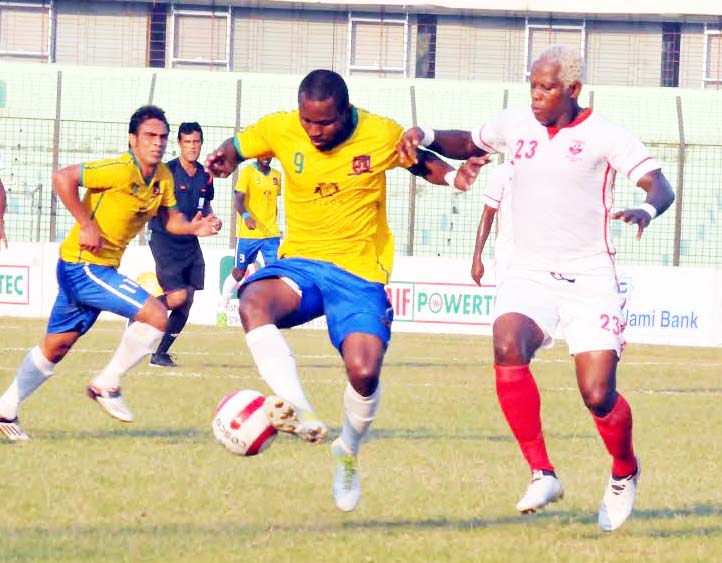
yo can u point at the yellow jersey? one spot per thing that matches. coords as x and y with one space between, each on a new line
121 202
260 198
336 200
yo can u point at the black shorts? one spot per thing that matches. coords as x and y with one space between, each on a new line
178 262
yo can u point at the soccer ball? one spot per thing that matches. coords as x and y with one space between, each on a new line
241 424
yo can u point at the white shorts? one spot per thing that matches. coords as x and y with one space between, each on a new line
588 308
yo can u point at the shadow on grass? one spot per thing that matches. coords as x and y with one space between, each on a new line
173 530
198 435
563 518
679 515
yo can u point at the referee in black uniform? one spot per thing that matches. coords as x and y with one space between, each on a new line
179 263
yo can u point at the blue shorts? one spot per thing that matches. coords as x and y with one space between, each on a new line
351 304
84 290
247 250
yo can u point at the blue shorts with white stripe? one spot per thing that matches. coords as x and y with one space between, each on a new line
84 290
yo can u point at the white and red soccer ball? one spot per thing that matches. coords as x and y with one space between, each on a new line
241 423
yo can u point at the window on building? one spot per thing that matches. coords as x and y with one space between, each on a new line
713 55
426 46
25 30
540 35
671 39
157 27
378 45
201 38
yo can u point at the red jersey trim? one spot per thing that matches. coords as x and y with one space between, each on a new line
581 117
607 206
483 142
629 175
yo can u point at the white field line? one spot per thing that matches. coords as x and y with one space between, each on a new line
450 360
252 377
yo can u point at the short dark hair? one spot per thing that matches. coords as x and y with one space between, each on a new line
321 84
188 127
145 113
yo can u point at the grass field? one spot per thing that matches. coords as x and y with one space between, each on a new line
440 471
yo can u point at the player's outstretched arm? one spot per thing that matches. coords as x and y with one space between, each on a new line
66 182
223 161
482 235
469 172
450 143
430 167
659 197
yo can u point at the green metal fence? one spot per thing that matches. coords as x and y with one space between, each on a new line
41 127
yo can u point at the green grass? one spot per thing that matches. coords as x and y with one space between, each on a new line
440 471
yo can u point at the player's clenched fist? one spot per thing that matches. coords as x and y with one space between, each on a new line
408 146
469 171
223 161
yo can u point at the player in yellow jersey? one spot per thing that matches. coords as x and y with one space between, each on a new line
122 194
256 201
335 258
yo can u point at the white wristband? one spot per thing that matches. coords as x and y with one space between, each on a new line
450 176
429 136
649 208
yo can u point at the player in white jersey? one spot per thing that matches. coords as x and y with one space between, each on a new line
562 272
497 203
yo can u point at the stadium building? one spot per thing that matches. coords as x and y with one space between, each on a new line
644 43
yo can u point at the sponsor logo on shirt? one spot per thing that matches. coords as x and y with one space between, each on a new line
575 147
361 165
326 189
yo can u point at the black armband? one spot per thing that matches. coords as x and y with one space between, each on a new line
420 168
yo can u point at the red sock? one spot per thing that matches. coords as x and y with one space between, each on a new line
519 399
615 428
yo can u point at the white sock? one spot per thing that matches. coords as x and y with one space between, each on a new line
138 340
230 285
360 413
276 364
33 372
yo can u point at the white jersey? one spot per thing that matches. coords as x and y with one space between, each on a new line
497 195
562 184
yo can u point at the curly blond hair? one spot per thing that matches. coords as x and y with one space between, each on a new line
570 61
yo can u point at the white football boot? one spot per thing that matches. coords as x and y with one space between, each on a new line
10 428
542 490
112 401
284 417
346 483
618 500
